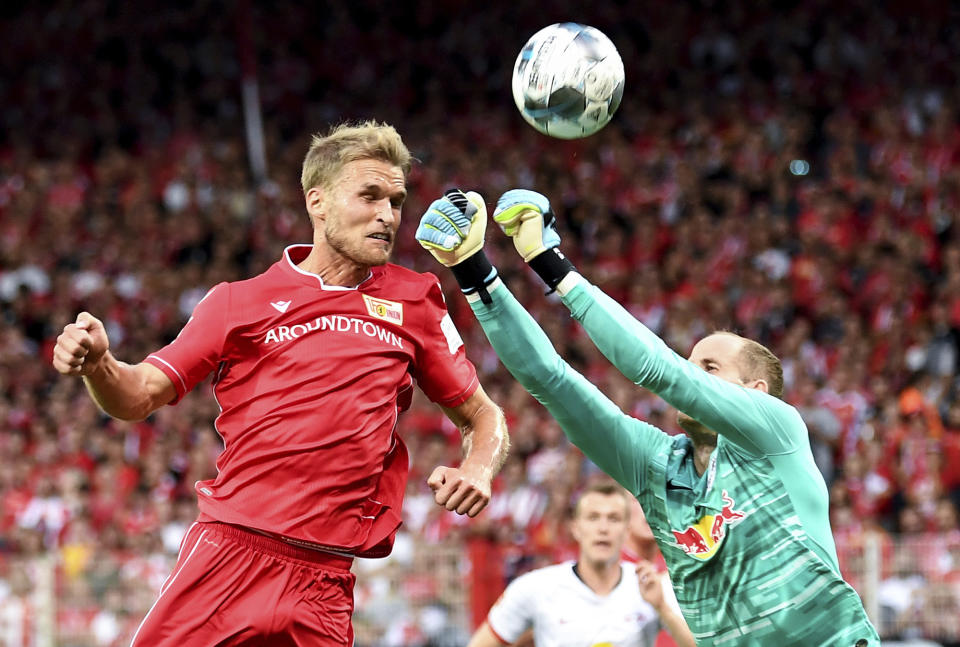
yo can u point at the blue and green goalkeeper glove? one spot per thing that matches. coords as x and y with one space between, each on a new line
452 229
526 217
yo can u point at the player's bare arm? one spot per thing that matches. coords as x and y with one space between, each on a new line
484 637
124 391
651 588
466 489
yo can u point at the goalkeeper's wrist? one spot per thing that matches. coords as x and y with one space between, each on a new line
552 266
475 274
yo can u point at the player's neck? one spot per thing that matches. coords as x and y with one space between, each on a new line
334 268
600 577
704 442
701 455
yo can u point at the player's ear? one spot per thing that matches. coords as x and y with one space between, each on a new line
759 385
314 200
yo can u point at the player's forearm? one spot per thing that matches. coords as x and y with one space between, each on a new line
486 442
484 637
617 443
633 348
676 626
120 389
521 344
646 360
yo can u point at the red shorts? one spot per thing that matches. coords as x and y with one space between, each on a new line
232 586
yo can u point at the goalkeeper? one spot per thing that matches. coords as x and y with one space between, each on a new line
736 504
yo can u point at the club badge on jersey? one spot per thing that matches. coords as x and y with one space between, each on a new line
383 309
703 539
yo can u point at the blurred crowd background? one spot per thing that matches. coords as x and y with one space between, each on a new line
789 170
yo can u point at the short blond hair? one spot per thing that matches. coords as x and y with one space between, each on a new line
349 142
758 362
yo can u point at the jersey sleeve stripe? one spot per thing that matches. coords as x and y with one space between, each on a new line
460 399
498 636
183 384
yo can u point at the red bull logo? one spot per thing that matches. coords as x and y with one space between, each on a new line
703 539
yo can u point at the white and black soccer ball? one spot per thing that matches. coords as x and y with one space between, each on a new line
568 80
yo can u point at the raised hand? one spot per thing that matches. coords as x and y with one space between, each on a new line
80 346
526 217
453 227
651 588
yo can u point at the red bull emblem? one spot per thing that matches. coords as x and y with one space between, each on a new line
703 539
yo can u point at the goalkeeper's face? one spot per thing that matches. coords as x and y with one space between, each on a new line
359 214
718 354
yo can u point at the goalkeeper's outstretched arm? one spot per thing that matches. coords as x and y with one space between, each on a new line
616 442
754 420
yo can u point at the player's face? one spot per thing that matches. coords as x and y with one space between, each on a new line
360 214
600 526
718 355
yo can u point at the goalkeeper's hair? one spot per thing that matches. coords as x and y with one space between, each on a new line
758 362
605 486
348 142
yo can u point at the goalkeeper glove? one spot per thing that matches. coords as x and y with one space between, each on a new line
527 218
452 229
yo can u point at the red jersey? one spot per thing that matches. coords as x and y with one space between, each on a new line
310 380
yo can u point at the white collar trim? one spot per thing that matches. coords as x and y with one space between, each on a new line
323 286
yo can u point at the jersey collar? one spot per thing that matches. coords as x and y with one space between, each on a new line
682 475
576 572
294 254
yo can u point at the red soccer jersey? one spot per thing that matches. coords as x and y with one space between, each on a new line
310 380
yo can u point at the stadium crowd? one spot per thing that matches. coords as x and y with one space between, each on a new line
787 170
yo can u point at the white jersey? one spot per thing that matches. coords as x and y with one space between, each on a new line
565 612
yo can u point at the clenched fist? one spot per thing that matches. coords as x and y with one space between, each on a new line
80 346
459 490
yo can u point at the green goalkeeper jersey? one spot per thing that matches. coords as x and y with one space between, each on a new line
747 543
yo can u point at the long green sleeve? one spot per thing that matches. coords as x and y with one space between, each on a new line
619 444
761 424
757 422
748 541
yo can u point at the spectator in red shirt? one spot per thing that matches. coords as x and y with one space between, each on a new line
313 360
950 455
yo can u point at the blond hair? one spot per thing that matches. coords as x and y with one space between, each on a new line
349 142
758 361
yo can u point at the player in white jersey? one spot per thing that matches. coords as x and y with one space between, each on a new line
595 601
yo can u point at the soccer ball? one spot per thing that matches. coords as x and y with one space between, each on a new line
568 80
